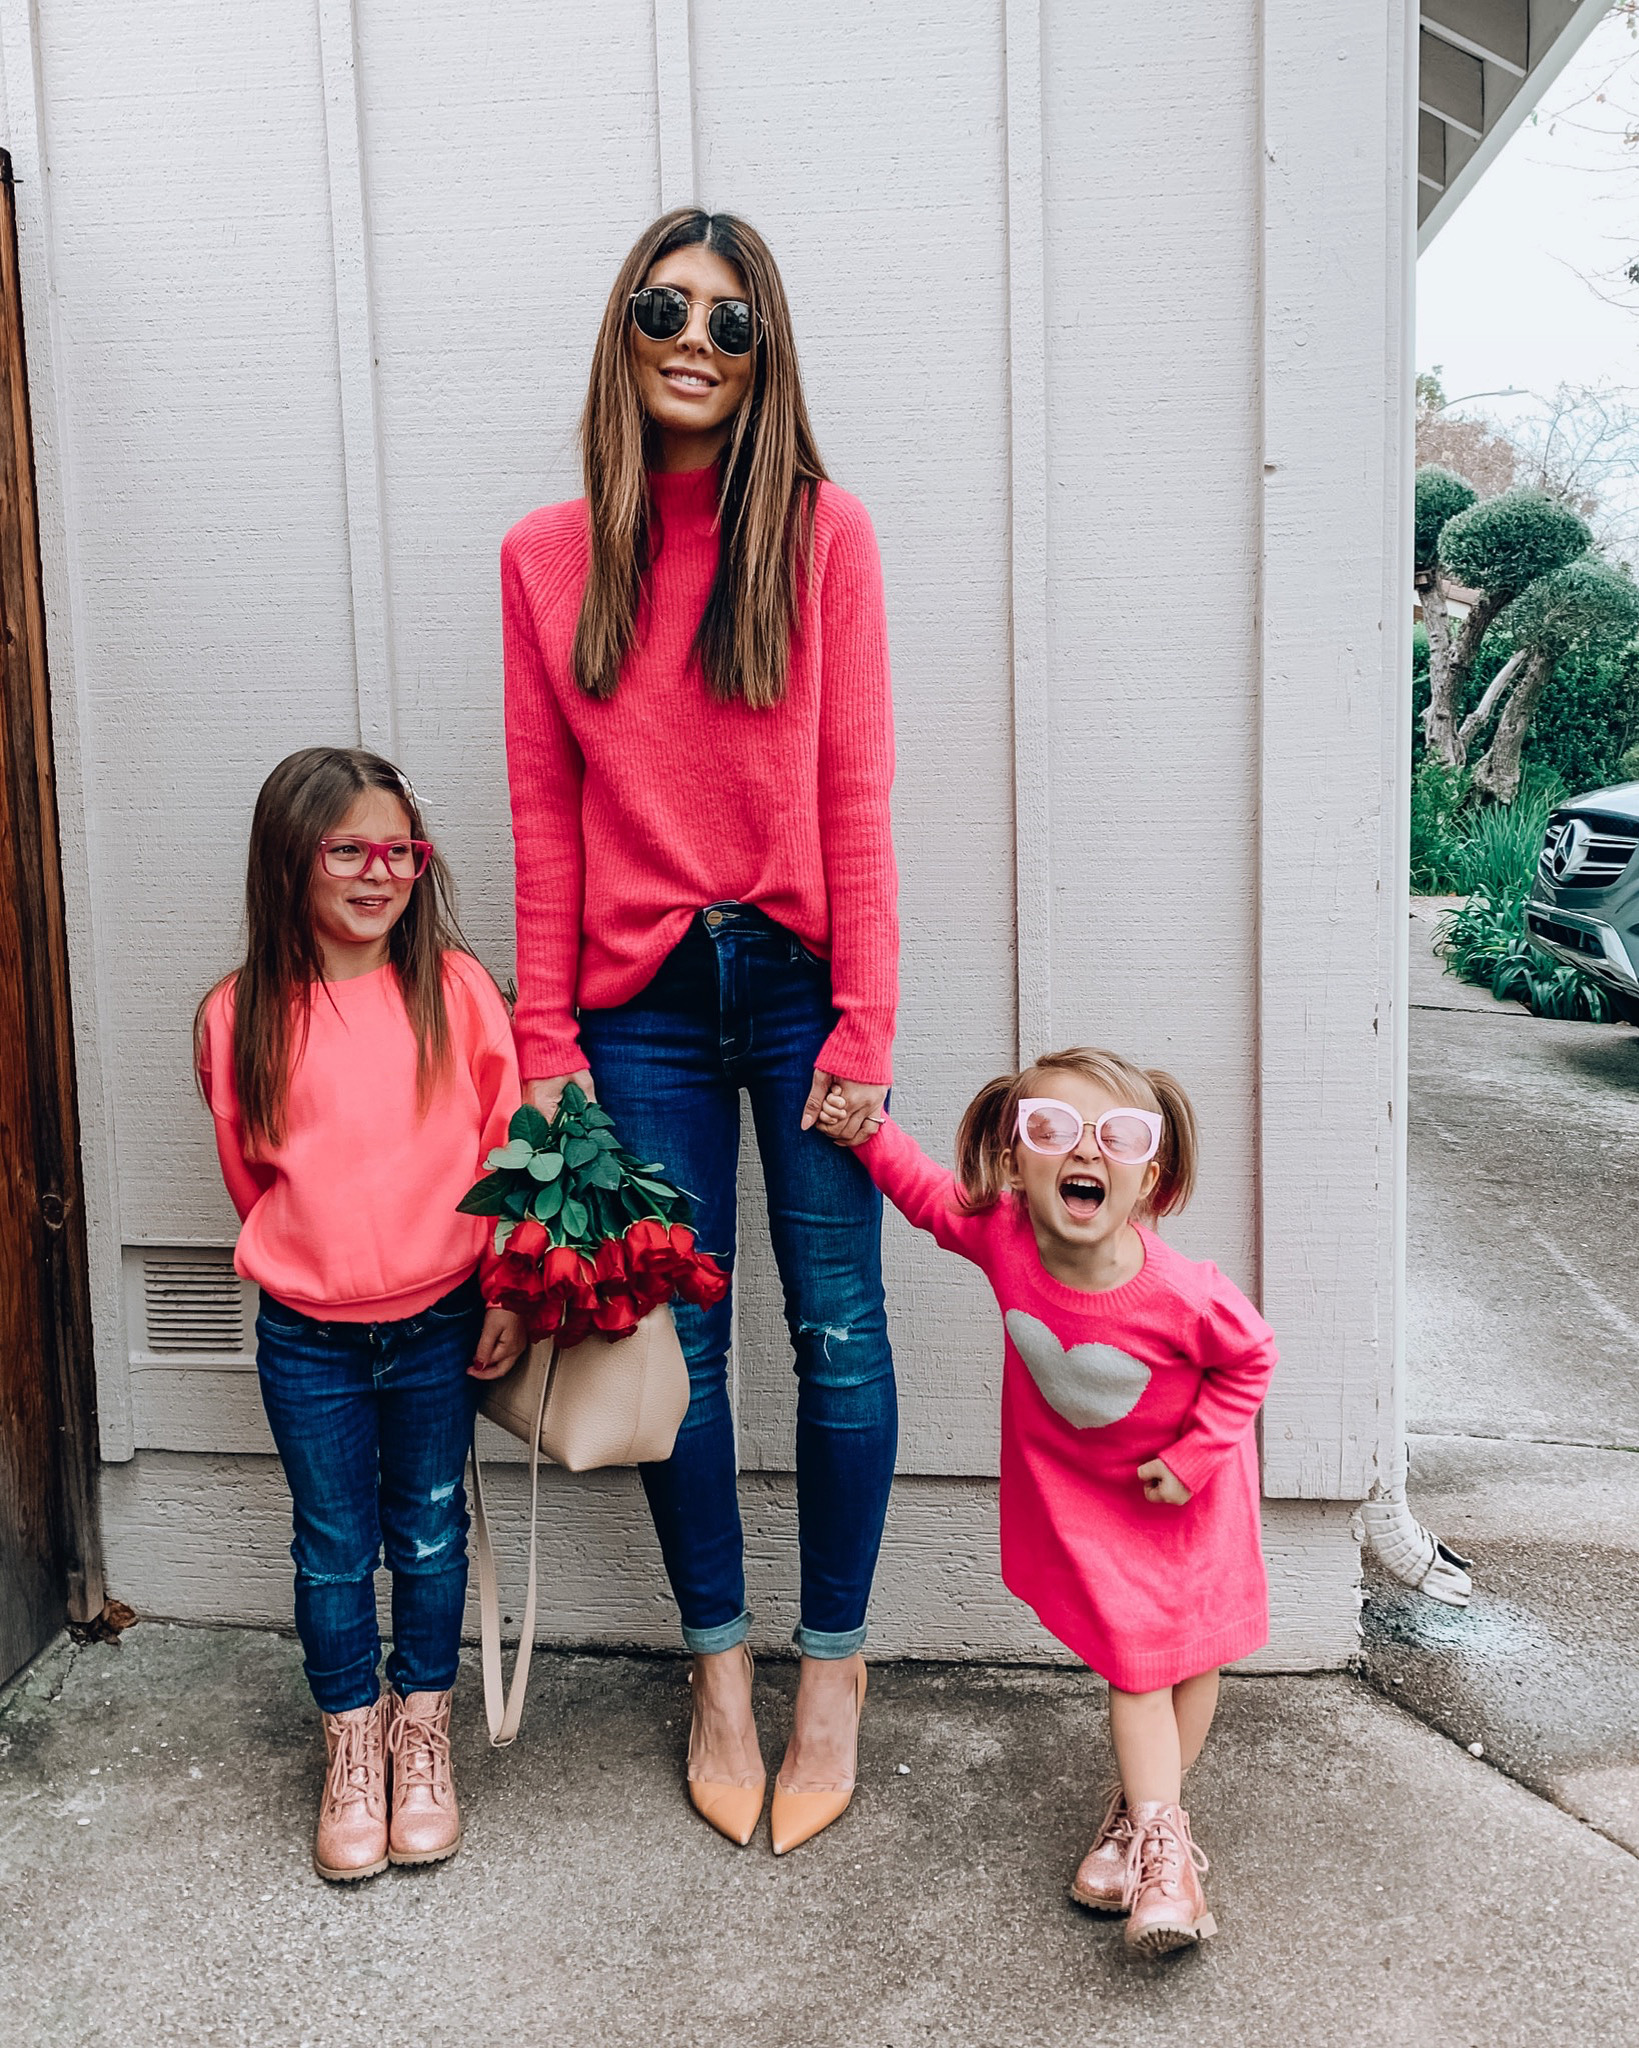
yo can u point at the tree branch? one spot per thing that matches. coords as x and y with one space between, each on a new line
1497 772
1474 723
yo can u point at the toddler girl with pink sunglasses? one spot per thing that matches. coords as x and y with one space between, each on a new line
1131 1383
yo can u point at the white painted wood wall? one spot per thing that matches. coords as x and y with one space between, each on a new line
1102 312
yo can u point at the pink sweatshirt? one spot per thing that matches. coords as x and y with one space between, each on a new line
629 816
1172 1365
352 1219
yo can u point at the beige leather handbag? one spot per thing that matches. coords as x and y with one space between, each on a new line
596 1404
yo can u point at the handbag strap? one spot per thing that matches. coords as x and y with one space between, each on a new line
504 1705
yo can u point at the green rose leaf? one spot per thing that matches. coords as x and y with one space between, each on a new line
604 1172
485 1199
516 1152
516 1203
546 1165
503 1230
530 1126
606 1141
574 1217
573 1097
598 1117
548 1202
579 1151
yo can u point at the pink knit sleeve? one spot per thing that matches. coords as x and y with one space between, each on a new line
246 1180
855 778
486 1046
544 769
1235 1348
925 1194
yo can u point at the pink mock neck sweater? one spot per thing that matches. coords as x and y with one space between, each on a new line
630 816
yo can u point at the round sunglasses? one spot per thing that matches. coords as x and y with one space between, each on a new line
1129 1137
661 312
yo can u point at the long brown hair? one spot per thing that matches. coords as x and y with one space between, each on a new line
770 478
305 797
989 1127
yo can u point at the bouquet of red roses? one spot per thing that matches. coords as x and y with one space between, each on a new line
589 1239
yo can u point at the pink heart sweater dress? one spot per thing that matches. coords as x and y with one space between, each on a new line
1172 1365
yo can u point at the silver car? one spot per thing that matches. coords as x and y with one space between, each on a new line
1584 904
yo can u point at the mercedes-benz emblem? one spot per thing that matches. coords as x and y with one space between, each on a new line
1568 847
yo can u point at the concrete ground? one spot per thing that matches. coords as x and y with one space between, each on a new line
1523 1361
1374 1884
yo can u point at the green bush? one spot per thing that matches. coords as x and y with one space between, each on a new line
1504 544
1441 495
1587 722
1437 794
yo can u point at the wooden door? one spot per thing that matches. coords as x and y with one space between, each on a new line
50 1556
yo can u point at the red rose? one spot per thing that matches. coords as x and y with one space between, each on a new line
566 1273
609 1269
520 1276
528 1241
617 1315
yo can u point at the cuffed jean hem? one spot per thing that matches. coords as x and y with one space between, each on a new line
706 1642
813 1642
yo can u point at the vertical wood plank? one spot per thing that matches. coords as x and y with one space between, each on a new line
355 345
72 725
1027 412
674 96
1335 628
47 1358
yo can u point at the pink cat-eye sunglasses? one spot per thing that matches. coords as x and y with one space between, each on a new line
1127 1136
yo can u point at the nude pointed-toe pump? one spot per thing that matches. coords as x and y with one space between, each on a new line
796 1817
733 1810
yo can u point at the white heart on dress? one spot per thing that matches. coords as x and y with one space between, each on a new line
1090 1385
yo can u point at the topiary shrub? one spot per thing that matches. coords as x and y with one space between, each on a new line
1504 544
1440 495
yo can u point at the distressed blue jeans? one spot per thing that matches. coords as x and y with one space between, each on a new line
741 1004
373 1421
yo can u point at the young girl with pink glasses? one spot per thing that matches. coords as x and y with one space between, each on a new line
359 1066
1129 1477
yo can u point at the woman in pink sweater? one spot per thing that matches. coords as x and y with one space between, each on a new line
1131 1382
358 1066
700 747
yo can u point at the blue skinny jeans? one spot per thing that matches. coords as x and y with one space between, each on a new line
373 1421
741 1003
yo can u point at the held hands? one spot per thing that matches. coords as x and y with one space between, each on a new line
1161 1484
847 1112
500 1344
546 1095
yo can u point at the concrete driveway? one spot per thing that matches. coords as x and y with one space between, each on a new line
1374 1885
1523 1353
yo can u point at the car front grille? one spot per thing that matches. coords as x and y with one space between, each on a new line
1591 850
1571 935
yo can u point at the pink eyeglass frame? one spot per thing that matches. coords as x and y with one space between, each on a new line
372 848
1147 1117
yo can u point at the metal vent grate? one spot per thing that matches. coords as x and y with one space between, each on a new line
192 1305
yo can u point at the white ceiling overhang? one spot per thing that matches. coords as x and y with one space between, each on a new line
1482 66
